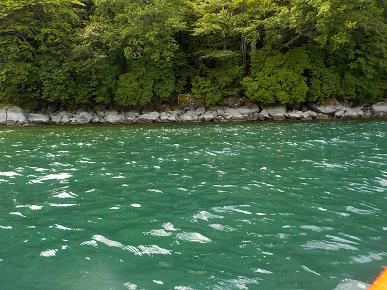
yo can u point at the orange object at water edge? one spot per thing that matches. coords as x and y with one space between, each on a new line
380 282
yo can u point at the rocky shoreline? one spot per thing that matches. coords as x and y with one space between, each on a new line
14 116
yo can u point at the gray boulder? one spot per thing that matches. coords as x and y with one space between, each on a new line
190 116
277 112
168 117
200 111
164 117
38 119
295 115
249 111
264 115
329 107
174 116
131 116
114 117
83 117
149 117
209 116
67 118
379 109
61 117
233 114
356 112
16 116
96 119
340 114
309 115
3 115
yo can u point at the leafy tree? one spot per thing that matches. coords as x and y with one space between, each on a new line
35 39
278 78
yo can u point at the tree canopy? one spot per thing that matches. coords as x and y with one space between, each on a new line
135 52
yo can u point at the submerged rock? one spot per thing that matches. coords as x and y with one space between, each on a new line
38 119
16 116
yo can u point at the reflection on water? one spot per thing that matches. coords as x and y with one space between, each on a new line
233 206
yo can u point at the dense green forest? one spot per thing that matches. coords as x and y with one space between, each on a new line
134 52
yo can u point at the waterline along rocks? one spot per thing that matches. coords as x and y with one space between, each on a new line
13 115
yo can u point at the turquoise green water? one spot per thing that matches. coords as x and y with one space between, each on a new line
235 206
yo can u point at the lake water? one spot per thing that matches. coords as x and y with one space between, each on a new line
222 206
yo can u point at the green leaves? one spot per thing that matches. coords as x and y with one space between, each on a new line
130 52
278 78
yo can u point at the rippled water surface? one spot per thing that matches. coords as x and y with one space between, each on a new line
236 206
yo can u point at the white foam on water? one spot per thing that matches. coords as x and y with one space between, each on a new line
193 237
63 228
315 228
158 282
9 174
169 227
159 233
359 211
117 207
6 227
17 214
138 251
231 209
329 246
118 177
107 242
263 271
205 215
147 250
64 195
155 190
180 287
130 286
223 228
90 243
48 253
135 205
310 270
62 204
59 176
363 259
